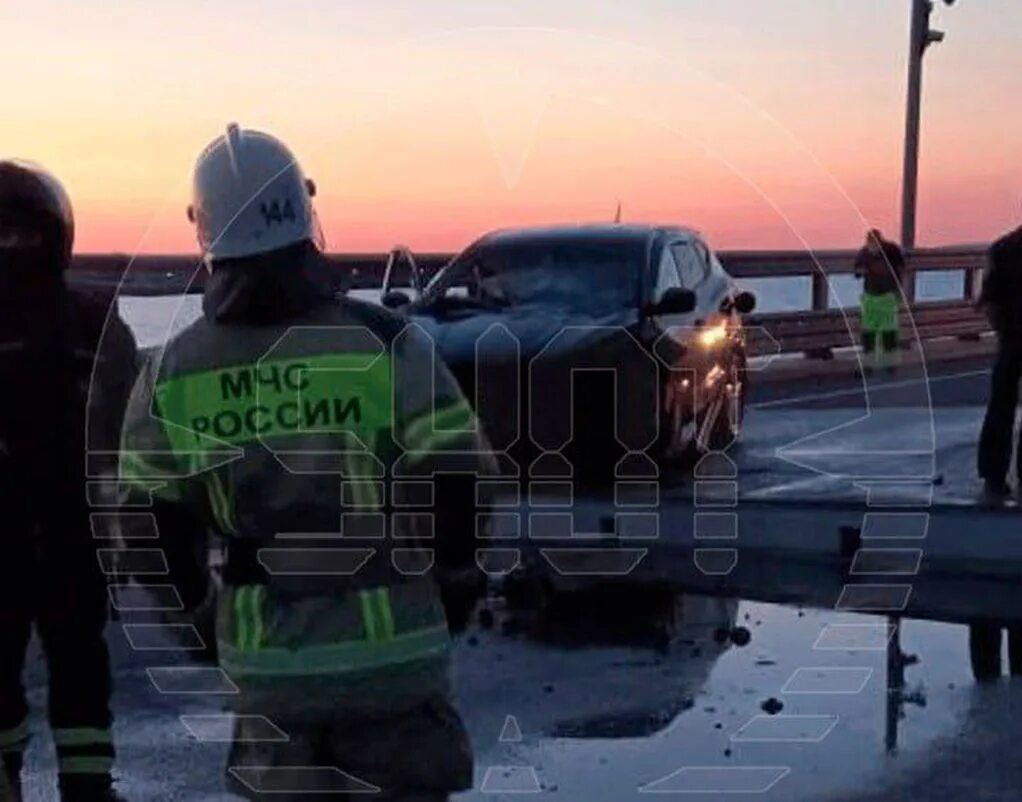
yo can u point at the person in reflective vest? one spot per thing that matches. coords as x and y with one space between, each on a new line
315 435
880 263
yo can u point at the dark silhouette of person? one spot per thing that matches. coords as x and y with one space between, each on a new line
1002 298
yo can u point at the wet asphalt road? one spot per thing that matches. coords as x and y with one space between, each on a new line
600 721
956 383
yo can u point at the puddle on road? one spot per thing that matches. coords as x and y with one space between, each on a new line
806 694
681 710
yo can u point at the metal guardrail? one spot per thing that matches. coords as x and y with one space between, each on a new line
817 331
814 331
173 275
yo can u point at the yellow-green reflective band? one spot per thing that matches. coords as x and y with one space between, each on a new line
214 506
223 510
85 765
361 470
439 426
134 467
368 616
456 416
441 441
249 630
337 658
240 618
82 736
256 597
385 616
16 736
135 471
377 614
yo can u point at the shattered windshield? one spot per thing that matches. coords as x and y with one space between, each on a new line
589 276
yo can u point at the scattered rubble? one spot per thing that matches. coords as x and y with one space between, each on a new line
772 706
740 636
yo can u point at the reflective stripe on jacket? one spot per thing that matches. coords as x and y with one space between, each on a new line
283 436
261 637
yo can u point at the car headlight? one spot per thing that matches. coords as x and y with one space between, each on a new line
713 336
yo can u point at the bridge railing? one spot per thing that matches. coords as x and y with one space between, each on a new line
823 326
814 330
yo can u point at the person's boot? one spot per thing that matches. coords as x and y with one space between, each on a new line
985 651
996 492
88 788
863 371
1015 651
890 361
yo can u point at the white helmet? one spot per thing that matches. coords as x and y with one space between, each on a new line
249 196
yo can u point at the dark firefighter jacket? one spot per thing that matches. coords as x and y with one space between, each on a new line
67 363
311 433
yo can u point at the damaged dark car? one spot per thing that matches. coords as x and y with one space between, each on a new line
591 351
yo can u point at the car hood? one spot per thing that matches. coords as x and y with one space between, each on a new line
527 330
529 369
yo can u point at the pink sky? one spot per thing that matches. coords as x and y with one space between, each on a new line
765 125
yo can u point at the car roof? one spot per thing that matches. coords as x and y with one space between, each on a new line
590 232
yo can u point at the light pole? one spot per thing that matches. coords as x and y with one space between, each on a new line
921 37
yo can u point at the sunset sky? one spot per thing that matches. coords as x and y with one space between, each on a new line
765 123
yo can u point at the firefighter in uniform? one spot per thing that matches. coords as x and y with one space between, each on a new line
314 433
49 575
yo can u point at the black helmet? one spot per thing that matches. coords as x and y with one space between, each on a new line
35 212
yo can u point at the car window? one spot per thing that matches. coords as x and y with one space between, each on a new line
593 276
667 275
693 262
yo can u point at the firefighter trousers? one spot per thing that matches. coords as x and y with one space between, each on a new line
50 578
997 439
420 754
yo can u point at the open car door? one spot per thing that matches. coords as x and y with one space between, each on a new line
400 264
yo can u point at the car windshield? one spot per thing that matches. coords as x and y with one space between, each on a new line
583 275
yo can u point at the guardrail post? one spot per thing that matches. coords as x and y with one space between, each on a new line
971 290
821 291
820 302
908 283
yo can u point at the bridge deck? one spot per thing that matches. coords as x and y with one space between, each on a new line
873 510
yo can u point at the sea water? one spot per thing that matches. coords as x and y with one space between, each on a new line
155 319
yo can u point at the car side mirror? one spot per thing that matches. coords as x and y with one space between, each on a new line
393 299
744 302
675 301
